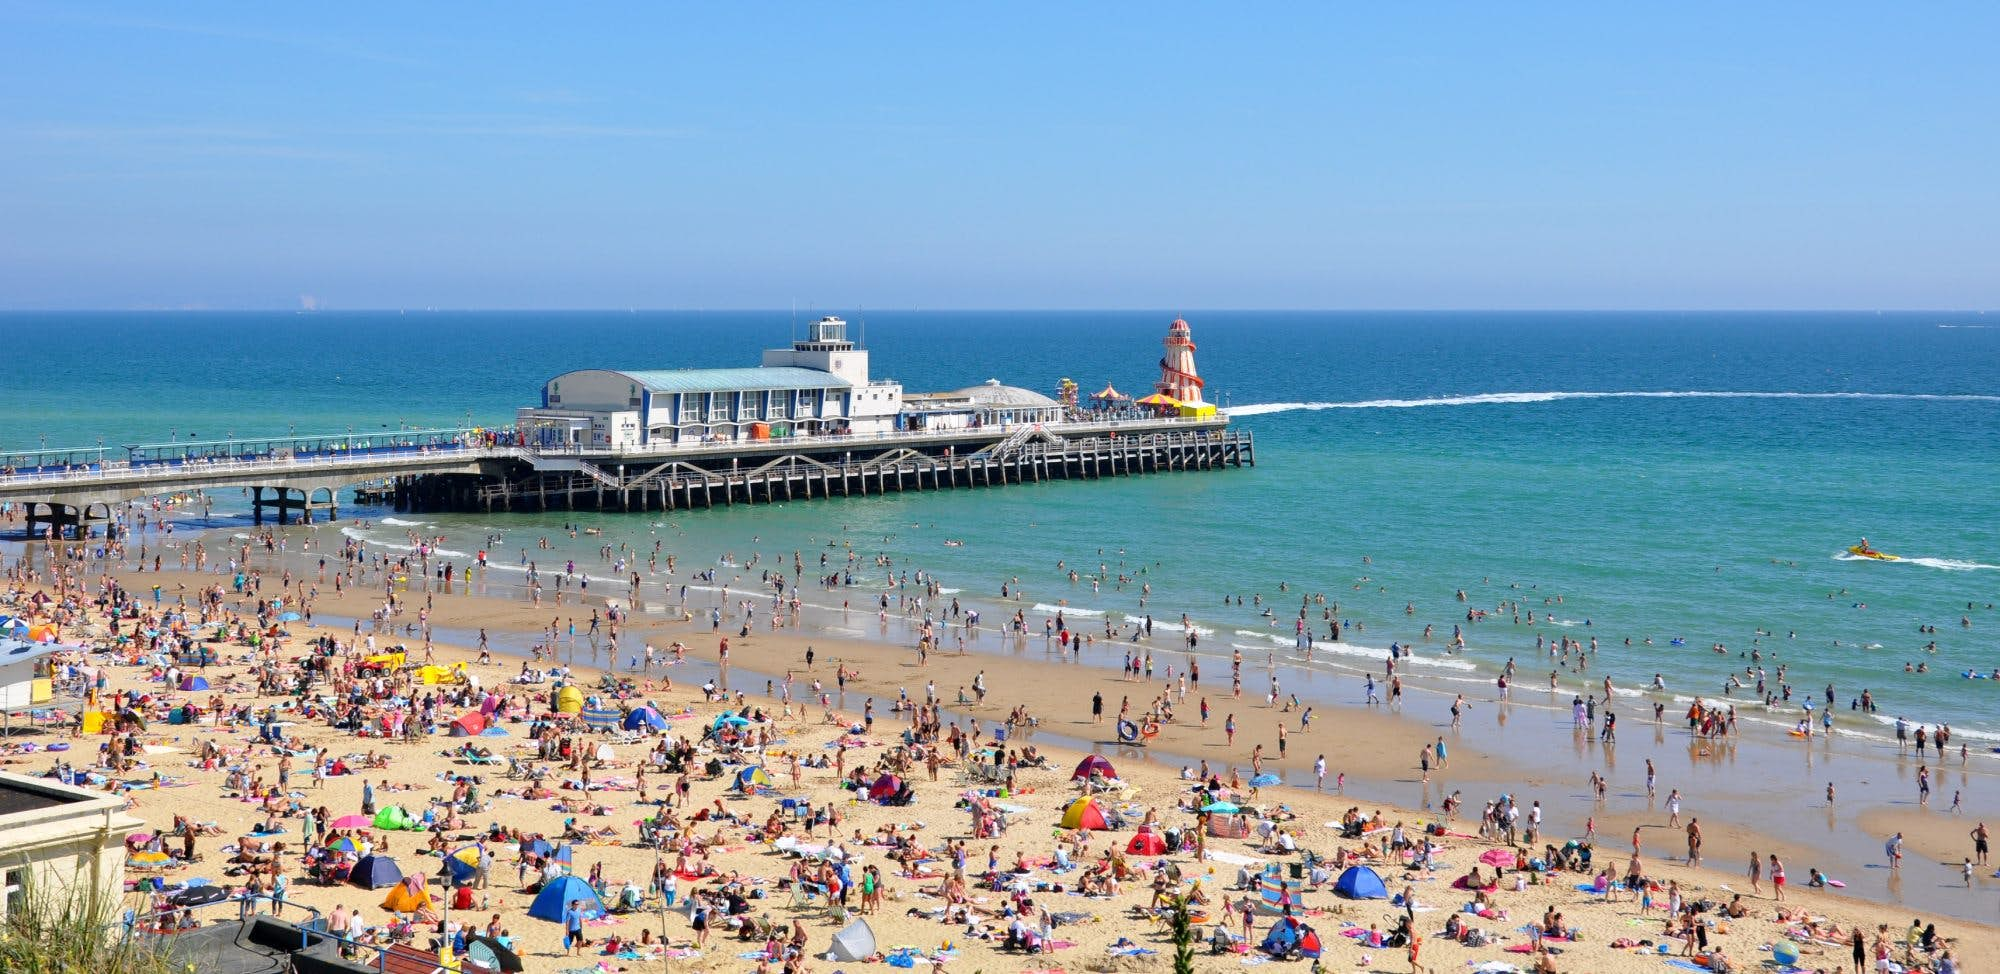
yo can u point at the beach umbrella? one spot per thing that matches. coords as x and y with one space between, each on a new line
289 617
352 822
1262 780
464 864
1221 808
731 720
148 858
342 844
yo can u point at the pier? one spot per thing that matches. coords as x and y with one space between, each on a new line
74 493
809 422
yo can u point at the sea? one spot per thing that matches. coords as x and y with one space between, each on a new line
1679 487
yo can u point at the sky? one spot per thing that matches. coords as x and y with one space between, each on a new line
1022 155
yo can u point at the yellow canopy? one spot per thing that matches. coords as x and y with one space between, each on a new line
569 700
1160 399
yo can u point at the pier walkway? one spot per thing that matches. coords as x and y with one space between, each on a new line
75 490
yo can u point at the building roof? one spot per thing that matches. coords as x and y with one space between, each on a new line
20 793
992 393
731 380
21 650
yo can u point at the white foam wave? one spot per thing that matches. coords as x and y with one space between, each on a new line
399 522
1941 564
1067 610
1519 398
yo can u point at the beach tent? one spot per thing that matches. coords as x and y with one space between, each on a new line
395 819
408 896
1094 764
1084 813
645 719
606 754
468 725
1147 843
192 683
884 787
556 895
751 778
1288 935
854 943
729 719
488 954
494 730
1360 883
569 700
375 872
600 718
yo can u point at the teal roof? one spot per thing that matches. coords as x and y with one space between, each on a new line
731 380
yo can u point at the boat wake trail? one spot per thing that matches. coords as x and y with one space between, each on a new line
1942 564
1519 398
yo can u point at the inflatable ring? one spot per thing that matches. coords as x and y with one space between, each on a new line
1150 730
1128 732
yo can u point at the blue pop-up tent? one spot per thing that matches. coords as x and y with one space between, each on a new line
556 896
1361 883
375 872
645 719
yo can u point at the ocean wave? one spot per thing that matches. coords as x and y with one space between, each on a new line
1067 610
1520 398
399 522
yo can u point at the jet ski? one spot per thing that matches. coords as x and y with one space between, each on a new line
1867 552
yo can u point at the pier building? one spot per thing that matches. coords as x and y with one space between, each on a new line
819 386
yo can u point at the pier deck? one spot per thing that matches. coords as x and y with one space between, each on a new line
467 474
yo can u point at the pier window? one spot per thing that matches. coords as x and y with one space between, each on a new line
753 405
781 405
809 402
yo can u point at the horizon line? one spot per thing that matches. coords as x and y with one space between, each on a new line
1015 310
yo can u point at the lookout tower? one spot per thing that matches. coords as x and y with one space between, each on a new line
1177 375
827 349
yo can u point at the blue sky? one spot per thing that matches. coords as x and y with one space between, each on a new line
1810 155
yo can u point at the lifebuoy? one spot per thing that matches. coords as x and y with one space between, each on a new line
1150 730
1128 732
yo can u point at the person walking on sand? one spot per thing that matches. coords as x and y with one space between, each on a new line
1777 879
1756 871
1694 840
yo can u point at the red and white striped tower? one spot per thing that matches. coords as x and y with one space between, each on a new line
1177 375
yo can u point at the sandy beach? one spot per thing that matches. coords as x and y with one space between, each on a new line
1376 750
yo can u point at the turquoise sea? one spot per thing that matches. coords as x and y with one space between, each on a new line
1672 476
